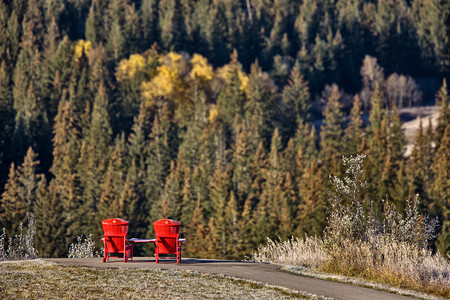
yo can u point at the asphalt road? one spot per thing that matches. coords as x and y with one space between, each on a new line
260 272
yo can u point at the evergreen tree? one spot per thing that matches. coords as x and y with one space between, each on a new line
231 99
444 113
354 133
296 97
197 233
433 26
50 229
244 149
219 197
419 170
440 190
305 139
6 115
262 106
28 179
111 203
232 230
149 17
311 215
169 205
13 208
13 34
332 132
171 25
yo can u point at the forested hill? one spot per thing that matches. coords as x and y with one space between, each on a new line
203 112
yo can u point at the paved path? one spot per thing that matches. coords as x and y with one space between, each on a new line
259 272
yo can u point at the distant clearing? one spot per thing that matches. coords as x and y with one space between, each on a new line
411 119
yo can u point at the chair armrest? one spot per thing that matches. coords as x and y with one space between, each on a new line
136 240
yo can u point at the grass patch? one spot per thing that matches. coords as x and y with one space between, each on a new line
41 279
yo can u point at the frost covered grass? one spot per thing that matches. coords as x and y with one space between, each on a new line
46 280
83 248
308 252
21 246
389 249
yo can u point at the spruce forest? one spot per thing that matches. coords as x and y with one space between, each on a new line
226 115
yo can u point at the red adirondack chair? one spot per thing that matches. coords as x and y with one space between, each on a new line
167 238
115 241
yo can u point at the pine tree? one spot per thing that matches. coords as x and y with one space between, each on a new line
13 208
169 206
288 202
33 20
171 25
444 113
262 106
311 215
331 132
376 165
231 99
188 199
93 23
232 230
111 203
158 159
219 197
376 111
440 189
6 115
149 19
197 233
354 132
100 130
433 32
13 34
305 139
4 15
296 97
244 149
420 164
28 179
116 41
50 229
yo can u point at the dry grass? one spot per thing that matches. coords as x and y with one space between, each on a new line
21 246
388 263
45 280
308 252
390 248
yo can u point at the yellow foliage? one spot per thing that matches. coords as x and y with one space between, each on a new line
171 59
163 84
129 67
200 68
82 47
243 78
167 82
213 114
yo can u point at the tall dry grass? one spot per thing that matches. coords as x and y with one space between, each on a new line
83 248
21 246
390 248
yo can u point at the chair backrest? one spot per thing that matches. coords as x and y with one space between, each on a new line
115 232
166 232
